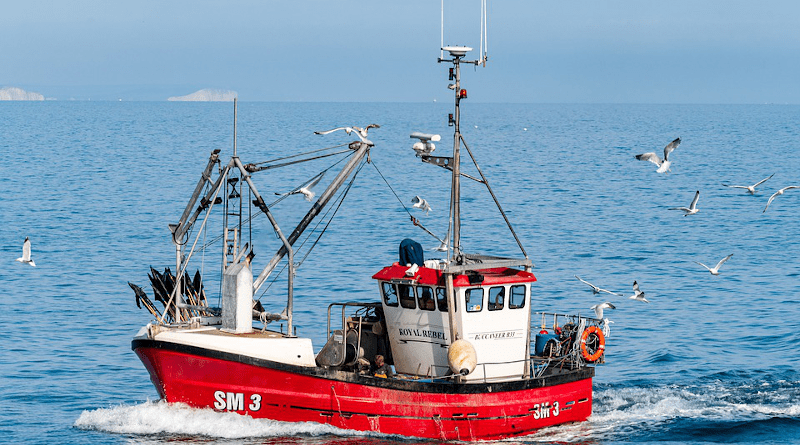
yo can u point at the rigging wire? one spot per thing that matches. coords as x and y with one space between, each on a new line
339 200
255 164
414 220
252 167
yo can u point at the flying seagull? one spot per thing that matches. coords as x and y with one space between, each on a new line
305 189
638 295
750 188
692 209
715 269
779 192
663 164
421 204
597 290
26 253
360 132
598 309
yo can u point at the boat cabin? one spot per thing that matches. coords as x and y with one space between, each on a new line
491 312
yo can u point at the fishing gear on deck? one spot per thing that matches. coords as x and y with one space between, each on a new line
141 298
191 303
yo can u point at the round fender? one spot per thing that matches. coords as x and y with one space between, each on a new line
461 357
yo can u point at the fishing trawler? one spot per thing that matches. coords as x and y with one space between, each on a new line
455 332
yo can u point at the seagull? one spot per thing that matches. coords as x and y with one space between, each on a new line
421 204
638 295
750 188
360 132
598 309
715 270
597 290
305 189
663 165
692 209
26 253
779 192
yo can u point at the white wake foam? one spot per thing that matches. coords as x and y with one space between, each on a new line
161 418
619 411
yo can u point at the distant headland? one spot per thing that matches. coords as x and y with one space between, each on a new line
207 95
14 93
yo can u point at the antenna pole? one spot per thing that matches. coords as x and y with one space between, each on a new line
234 127
456 186
441 50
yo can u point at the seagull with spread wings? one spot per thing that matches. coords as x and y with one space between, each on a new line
715 270
638 295
360 132
598 309
750 188
420 203
305 189
779 192
692 209
597 290
26 253
663 164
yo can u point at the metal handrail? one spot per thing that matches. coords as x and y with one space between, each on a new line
581 322
344 325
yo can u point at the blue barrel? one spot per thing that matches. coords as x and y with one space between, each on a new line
541 342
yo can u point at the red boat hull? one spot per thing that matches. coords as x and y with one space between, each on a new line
445 411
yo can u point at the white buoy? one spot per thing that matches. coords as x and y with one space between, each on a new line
461 357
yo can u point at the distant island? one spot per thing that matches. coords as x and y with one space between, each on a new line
14 93
207 95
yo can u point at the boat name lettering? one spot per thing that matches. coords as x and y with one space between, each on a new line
545 410
492 335
234 401
421 333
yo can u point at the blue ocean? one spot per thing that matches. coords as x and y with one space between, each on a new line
710 359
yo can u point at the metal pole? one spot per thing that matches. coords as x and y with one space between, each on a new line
290 294
178 282
451 312
456 192
180 228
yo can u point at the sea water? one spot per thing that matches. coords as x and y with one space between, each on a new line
711 359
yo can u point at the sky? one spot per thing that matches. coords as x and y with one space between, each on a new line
575 51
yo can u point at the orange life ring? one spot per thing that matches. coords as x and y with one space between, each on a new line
601 340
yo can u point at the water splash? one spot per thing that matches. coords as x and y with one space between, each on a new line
176 419
731 404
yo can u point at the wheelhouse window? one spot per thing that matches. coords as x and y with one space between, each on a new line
441 299
496 298
389 294
426 302
473 299
407 298
517 300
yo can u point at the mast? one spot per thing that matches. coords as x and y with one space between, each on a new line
456 53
